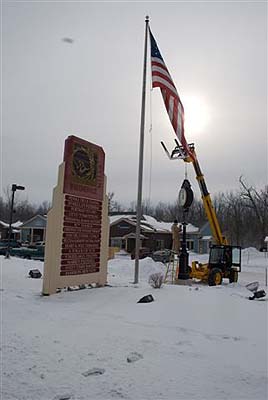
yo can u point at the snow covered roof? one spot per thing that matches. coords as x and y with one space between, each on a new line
166 226
150 224
206 237
37 218
14 225
116 218
17 224
133 236
4 224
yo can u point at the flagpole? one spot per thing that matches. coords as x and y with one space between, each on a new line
139 195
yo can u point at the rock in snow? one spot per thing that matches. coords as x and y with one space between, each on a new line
132 357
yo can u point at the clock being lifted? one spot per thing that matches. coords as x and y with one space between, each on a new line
182 197
186 195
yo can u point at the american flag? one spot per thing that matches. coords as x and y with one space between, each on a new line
162 78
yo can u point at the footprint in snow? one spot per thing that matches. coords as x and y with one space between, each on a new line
134 356
117 393
65 396
94 372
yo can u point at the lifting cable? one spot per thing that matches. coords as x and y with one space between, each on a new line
185 171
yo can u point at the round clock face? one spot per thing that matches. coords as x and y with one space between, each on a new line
182 197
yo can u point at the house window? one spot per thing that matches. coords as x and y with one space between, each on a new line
123 226
116 242
160 244
190 244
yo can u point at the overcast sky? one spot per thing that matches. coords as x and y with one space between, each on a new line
216 53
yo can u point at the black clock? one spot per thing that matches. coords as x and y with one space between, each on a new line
186 195
182 197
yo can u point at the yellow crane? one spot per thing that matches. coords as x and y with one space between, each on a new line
224 259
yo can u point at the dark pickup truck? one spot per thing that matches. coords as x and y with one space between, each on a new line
4 245
30 252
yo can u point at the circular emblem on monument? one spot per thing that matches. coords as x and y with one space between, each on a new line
84 164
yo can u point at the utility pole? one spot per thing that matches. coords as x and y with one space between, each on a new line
14 188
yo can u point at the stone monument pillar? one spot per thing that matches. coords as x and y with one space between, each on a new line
77 227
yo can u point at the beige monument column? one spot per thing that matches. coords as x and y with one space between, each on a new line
77 226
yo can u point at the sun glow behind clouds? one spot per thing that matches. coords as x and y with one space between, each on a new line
196 115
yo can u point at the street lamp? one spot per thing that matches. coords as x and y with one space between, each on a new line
14 188
186 197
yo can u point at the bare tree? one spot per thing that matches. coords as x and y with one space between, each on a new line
110 201
22 209
257 202
44 208
233 218
113 205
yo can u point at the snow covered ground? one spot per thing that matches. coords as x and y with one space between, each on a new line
192 342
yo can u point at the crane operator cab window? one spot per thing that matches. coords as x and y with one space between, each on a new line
225 257
236 258
216 255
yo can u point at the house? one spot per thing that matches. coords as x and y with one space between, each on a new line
205 239
154 234
34 230
265 247
4 229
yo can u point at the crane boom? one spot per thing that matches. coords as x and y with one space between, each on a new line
208 206
179 153
224 259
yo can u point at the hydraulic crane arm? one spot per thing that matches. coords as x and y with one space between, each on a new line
179 153
209 209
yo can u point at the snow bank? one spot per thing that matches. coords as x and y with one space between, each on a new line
123 269
191 343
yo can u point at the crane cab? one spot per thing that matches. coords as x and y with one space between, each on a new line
224 260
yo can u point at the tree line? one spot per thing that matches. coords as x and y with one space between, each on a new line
22 209
243 215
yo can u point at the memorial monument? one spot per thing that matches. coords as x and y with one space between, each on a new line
77 227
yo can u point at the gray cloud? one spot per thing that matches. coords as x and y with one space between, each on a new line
92 88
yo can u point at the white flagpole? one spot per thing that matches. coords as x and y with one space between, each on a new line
139 196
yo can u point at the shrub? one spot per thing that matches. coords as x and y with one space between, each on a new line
156 280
